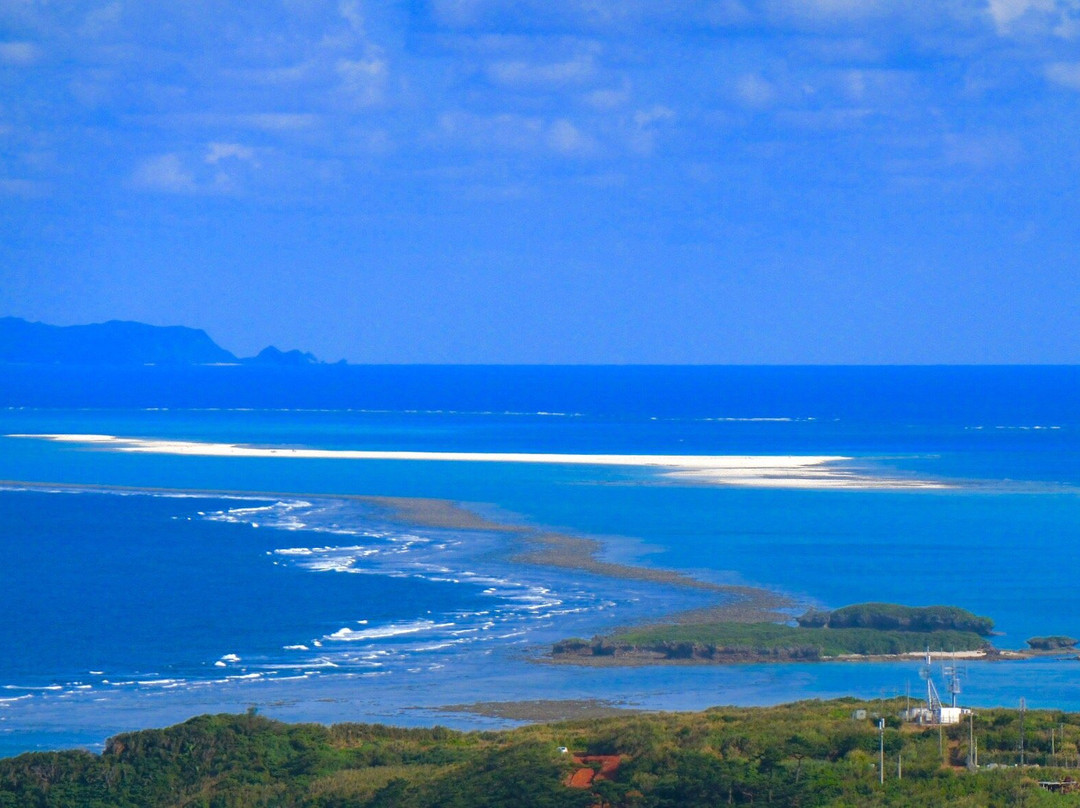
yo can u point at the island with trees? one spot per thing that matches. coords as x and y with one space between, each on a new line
860 631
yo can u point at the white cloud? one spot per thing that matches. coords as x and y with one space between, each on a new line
102 19
363 80
165 172
755 91
281 74
831 9
823 120
350 10
642 136
216 152
277 121
17 187
521 133
646 117
522 73
19 54
981 150
503 131
1060 18
566 138
609 98
272 122
1067 74
457 12
1006 12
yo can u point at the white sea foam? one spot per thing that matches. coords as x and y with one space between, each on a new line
513 606
318 662
392 630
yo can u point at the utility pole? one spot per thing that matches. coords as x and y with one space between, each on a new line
881 739
972 760
900 766
1023 710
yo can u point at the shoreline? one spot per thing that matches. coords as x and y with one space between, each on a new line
646 660
757 471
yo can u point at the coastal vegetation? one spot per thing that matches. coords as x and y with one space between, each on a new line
868 629
805 754
894 617
762 642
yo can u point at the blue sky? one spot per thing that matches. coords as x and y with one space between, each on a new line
709 181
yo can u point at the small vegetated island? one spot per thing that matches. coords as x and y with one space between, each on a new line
862 630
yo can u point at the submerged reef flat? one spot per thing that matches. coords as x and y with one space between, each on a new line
553 549
542 710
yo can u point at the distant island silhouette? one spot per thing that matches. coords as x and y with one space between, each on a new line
119 342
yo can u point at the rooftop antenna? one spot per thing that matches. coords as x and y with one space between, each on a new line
952 673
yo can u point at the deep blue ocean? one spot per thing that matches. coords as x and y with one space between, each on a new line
139 589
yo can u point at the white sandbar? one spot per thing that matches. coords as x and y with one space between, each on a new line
766 471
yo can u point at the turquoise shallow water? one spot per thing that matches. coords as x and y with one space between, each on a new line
141 609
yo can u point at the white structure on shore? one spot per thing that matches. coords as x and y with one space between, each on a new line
934 712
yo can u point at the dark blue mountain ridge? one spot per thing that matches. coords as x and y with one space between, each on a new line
119 342
273 356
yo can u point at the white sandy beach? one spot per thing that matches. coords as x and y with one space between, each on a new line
765 471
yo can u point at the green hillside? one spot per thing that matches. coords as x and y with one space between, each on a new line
805 754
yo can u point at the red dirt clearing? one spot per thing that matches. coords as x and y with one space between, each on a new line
584 777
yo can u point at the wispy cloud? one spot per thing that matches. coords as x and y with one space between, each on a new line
271 122
363 80
755 91
21 187
1059 18
355 87
216 152
566 138
517 133
19 54
521 73
219 169
1066 74
166 173
101 20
